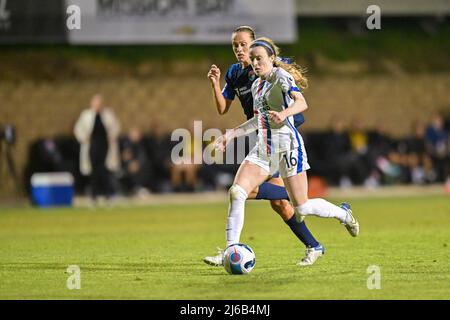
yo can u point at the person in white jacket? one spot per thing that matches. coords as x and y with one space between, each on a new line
97 130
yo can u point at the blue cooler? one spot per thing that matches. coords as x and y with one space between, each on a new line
52 189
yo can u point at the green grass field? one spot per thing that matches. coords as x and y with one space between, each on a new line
156 253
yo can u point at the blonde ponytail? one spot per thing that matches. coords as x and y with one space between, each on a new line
296 71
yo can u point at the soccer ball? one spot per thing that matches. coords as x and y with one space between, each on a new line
239 259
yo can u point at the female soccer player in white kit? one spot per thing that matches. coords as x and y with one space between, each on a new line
280 147
238 83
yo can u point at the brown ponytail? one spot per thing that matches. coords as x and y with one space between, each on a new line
294 69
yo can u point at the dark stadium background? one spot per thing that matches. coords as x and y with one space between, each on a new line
386 80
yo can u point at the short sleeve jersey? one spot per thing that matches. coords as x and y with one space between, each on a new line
274 93
238 82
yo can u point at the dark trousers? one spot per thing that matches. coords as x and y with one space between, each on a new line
101 178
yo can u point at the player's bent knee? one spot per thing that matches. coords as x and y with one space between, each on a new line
277 205
283 208
236 192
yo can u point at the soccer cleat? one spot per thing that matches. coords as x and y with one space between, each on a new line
311 255
350 222
216 261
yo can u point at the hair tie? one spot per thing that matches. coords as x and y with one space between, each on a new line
263 44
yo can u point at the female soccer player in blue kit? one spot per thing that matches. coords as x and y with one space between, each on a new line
276 99
239 80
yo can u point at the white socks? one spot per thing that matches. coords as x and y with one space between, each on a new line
322 208
235 221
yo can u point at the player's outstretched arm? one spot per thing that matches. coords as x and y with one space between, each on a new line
244 129
222 104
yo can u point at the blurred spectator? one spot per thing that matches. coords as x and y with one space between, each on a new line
337 147
208 173
447 122
359 142
218 176
387 163
97 131
419 162
135 163
43 156
359 137
437 142
184 177
380 142
159 147
50 155
60 153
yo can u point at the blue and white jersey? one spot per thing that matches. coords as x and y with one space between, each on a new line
239 82
274 93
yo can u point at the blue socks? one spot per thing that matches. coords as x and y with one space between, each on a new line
301 231
268 191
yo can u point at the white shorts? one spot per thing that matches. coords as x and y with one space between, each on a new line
288 163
